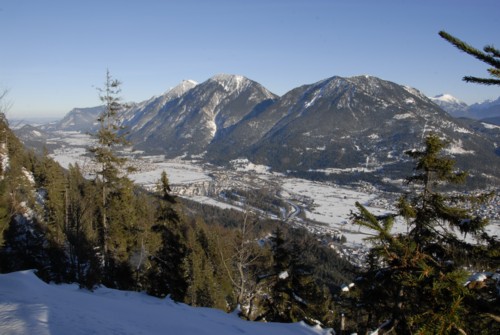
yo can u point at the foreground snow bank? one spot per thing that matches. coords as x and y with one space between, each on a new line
30 306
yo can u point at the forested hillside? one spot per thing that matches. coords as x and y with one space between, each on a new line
52 221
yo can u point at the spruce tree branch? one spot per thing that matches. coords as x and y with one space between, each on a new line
461 45
483 81
490 49
494 72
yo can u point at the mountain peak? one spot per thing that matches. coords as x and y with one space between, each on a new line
182 88
227 77
450 104
448 98
230 82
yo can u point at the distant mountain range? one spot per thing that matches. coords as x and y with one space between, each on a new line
338 128
488 111
78 119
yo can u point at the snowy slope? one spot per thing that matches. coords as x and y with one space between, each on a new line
451 104
30 306
78 119
138 115
189 123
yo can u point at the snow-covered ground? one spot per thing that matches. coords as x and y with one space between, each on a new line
332 205
325 203
30 306
178 172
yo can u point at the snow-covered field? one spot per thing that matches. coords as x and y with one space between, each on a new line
327 203
179 172
333 205
30 306
149 168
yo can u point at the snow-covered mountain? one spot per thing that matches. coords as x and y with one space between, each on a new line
450 104
30 306
344 125
139 115
187 124
78 119
322 130
488 109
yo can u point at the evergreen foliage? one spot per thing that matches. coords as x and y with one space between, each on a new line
489 55
82 237
289 290
117 217
167 276
416 279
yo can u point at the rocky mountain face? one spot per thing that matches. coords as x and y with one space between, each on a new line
186 123
356 127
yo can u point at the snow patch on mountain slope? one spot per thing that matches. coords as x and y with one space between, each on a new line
490 126
231 82
4 159
453 126
311 102
403 116
212 126
456 148
446 98
414 92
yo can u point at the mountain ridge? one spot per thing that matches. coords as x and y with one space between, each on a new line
362 122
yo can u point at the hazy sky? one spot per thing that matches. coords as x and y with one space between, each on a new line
55 53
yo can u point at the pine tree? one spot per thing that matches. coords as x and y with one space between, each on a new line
82 237
52 184
115 187
417 279
145 241
489 55
167 275
200 271
292 292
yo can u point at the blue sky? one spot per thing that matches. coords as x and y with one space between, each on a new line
55 53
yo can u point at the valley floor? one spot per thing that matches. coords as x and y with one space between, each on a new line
322 208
